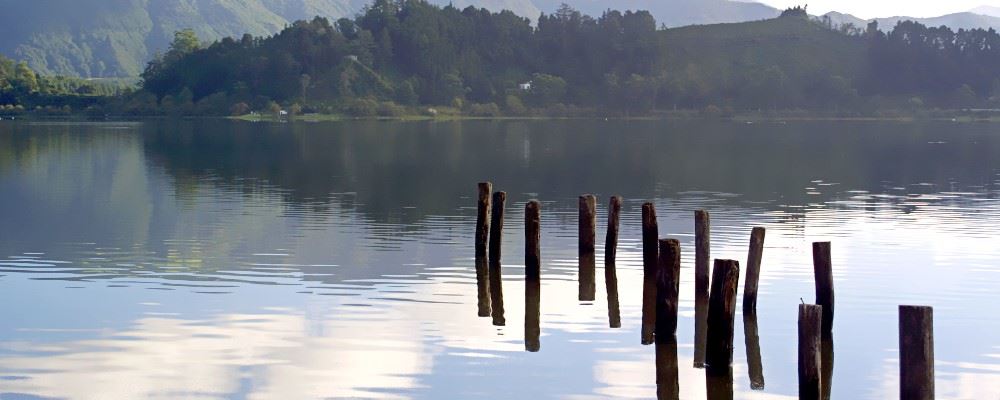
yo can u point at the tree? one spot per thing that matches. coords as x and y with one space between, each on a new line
547 89
25 79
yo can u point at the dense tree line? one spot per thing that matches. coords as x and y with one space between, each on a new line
413 53
948 68
409 56
23 90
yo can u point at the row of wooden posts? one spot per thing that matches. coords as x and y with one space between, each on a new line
715 298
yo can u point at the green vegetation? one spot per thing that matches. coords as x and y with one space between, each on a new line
22 91
409 58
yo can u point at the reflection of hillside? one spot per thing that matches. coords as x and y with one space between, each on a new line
431 165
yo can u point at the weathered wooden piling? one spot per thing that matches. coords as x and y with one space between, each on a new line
610 270
650 251
483 218
702 248
667 372
482 236
721 315
611 239
532 276
810 352
586 248
823 271
916 353
496 240
755 366
667 289
753 270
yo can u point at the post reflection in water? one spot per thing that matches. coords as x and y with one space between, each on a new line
754 365
483 286
700 331
826 382
532 276
532 315
719 384
614 310
588 278
495 248
667 376
610 269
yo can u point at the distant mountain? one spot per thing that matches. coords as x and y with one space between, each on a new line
674 13
965 20
986 10
106 38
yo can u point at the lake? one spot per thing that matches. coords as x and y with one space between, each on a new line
218 259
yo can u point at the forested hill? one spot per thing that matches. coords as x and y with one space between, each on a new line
414 55
115 38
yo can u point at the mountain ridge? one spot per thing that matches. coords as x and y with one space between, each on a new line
955 21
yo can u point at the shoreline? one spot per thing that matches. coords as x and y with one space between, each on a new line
672 116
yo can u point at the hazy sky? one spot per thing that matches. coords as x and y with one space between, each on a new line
885 8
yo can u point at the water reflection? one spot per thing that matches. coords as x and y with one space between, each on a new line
260 228
667 377
700 331
754 365
610 269
719 383
495 269
483 287
826 367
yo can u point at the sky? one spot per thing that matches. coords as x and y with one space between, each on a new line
885 8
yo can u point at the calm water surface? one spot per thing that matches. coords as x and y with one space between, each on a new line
214 259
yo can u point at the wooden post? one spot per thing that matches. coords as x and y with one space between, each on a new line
916 353
483 218
482 235
611 240
755 366
496 240
702 247
721 315
667 288
532 275
667 372
586 247
753 270
823 271
810 353
610 270
650 236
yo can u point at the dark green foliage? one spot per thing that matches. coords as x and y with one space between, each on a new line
411 52
950 68
22 89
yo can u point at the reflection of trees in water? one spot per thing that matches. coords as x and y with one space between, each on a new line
433 166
